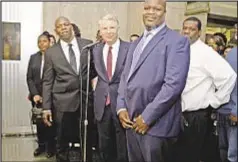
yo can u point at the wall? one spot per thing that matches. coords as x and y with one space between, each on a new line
87 14
224 8
15 107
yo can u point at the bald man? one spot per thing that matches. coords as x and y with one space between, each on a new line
154 76
65 73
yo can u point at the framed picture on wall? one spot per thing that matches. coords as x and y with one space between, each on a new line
11 41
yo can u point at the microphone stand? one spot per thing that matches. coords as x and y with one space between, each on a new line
86 108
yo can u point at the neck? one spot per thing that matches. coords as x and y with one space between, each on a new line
68 40
111 42
42 52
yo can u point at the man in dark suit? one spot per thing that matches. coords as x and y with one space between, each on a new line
151 84
109 59
64 85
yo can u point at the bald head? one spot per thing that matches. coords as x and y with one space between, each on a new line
61 18
64 29
160 2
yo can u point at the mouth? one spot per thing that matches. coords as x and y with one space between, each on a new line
149 18
65 32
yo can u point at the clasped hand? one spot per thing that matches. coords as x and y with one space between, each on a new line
138 124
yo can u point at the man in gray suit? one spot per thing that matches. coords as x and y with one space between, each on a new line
65 74
151 85
109 59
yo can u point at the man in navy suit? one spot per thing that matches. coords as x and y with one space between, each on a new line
153 79
109 60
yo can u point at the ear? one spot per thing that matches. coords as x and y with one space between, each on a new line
200 33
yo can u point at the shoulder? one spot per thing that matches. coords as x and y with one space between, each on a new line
85 41
124 43
232 55
35 55
176 36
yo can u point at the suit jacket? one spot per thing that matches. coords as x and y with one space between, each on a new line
33 77
61 84
155 86
104 86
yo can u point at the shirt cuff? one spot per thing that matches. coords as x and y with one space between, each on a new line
123 109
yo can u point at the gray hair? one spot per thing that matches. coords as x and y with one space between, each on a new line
108 17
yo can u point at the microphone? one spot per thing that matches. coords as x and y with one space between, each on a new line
90 45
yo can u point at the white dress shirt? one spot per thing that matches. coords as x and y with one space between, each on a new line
65 47
210 79
42 65
115 50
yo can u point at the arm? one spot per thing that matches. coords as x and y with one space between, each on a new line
121 105
93 72
48 80
224 78
29 78
232 60
177 65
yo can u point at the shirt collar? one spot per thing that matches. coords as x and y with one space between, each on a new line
65 44
155 30
116 44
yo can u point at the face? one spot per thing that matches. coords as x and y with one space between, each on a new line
212 43
190 30
43 43
227 50
52 41
154 13
109 31
64 29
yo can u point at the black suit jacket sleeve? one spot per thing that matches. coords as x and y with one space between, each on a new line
93 72
29 77
48 80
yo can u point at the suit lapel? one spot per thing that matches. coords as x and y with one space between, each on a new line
130 56
38 63
62 54
120 59
149 47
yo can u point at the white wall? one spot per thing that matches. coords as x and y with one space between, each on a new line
15 107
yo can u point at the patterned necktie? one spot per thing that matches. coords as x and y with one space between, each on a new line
109 70
72 58
137 53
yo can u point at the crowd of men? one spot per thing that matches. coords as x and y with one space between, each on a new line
153 98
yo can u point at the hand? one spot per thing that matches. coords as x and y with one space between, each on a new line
140 126
124 119
47 117
37 98
233 118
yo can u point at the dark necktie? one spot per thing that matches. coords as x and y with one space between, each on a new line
72 58
109 70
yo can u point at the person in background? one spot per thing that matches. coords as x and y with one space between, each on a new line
76 30
134 37
208 86
233 40
52 40
34 75
98 36
227 119
227 50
